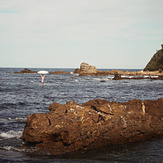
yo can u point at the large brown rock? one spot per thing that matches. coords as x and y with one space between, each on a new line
94 124
86 69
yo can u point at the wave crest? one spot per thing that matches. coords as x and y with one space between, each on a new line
11 134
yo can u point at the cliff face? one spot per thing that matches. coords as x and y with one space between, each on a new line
156 62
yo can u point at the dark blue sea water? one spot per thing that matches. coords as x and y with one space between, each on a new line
23 94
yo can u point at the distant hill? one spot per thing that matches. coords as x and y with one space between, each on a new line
156 62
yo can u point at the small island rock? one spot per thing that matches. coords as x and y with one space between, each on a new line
86 69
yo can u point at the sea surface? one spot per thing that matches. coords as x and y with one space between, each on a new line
23 94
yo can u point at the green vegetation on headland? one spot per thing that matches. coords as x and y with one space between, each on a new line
156 62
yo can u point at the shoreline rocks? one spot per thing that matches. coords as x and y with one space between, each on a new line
141 74
154 75
94 124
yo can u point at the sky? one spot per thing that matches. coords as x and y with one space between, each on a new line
64 33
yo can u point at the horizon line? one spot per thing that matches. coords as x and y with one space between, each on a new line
68 68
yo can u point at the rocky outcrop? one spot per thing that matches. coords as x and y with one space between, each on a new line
156 62
117 76
59 72
86 69
77 71
94 124
25 71
30 71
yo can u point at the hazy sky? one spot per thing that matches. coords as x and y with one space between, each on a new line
65 33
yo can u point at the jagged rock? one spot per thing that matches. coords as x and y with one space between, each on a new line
94 124
156 62
117 76
85 69
77 71
26 71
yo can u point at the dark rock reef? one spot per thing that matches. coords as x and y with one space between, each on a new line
59 72
94 124
25 71
30 71
156 62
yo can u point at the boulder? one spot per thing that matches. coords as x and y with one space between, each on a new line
86 69
94 124
117 76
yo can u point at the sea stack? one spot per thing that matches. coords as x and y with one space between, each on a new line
86 69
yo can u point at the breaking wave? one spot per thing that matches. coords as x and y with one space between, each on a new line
17 119
11 134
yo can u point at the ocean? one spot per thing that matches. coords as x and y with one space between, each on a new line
23 94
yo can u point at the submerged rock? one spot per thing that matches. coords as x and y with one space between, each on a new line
94 124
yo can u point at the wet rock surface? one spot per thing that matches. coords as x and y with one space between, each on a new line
94 124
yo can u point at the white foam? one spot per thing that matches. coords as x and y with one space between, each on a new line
11 134
99 79
9 148
17 119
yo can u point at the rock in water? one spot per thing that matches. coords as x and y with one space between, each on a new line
86 69
156 63
94 124
117 76
25 71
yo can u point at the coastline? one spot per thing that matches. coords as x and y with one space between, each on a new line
122 75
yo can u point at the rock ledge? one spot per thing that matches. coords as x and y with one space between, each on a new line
94 124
